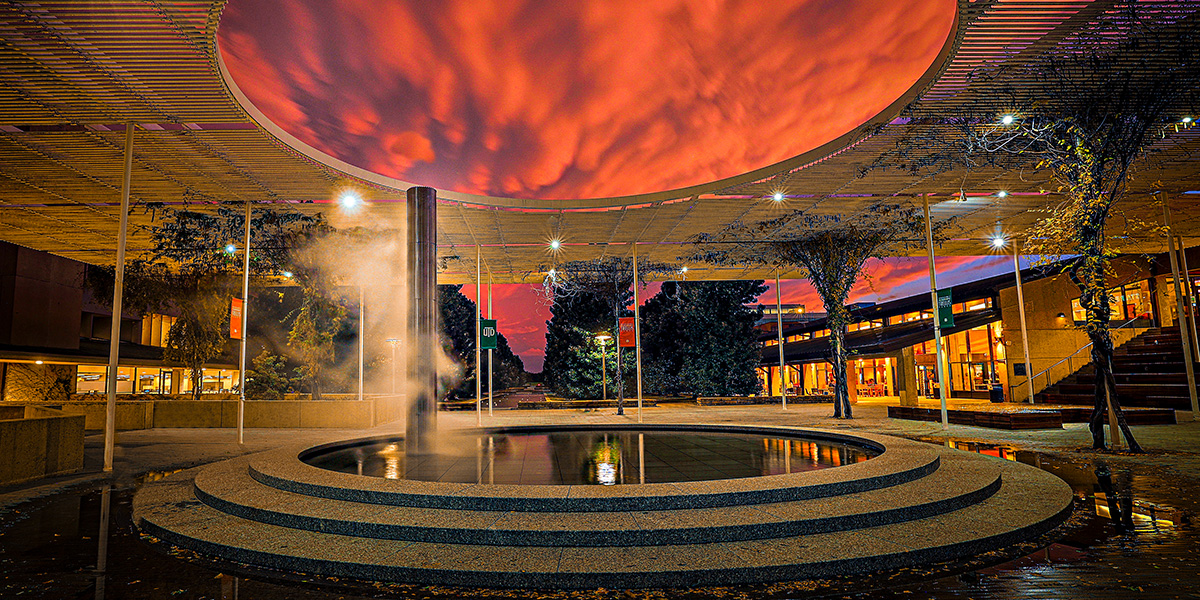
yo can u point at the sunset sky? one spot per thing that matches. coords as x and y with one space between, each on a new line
585 99
574 98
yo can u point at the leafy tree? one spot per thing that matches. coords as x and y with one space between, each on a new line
190 271
268 379
830 250
664 341
1087 115
314 326
607 280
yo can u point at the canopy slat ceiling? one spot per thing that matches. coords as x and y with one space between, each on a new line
72 73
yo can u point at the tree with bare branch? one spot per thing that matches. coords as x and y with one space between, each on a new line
830 250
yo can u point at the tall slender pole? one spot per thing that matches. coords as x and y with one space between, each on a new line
637 332
937 327
110 412
478 339
1190 287
490 370
362 332
1189 367
1021 310
783 378
603 371
241 421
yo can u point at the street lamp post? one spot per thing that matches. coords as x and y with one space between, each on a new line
603 339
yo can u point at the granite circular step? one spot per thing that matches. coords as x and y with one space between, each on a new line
227 487
966 504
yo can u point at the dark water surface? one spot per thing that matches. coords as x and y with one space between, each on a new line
592 457
51 549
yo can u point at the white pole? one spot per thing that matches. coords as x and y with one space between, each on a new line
937 328
783 378
603 370
1021 310
637 333
478 340
110 413
1183 331
245 334
362 332
1191 293
490 370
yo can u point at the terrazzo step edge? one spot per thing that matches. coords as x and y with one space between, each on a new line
956 484
1017 512
901 461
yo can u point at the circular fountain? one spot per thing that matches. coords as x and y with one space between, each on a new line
604 506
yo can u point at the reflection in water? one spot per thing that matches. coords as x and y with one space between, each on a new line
102 541
593 457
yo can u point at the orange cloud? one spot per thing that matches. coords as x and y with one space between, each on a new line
574 99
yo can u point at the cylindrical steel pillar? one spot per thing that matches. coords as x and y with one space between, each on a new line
422 319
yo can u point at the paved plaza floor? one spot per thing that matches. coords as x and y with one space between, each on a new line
48 543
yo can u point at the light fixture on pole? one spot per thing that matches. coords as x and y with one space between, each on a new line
393 342
603 339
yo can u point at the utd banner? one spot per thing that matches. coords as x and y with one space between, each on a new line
625 338
235 319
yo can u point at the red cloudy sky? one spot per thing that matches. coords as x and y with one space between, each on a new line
571 98
522 312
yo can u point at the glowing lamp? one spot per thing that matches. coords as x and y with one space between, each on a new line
287 274
555 245
998 242
1006 120
230 249
1187 119
1001 194
777 196
683 269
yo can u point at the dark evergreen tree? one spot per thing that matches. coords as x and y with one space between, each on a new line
722 349
699 338
457 313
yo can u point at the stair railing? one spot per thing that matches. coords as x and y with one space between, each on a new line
1070 364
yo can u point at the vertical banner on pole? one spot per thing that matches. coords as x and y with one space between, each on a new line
488 337
235 319
945 309
625 338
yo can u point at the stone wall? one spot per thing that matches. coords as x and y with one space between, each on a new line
42 443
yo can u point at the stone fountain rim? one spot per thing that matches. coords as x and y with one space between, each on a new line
899 460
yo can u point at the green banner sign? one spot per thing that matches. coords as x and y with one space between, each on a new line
945 309
487 334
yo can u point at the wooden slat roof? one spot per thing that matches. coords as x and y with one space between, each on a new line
72 73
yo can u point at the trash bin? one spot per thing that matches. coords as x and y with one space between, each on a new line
997 393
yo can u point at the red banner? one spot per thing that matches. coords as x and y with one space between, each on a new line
625 338
235 319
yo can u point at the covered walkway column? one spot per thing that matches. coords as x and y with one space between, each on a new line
110 412
937 328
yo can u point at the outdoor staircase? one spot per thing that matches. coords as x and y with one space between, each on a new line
1149 370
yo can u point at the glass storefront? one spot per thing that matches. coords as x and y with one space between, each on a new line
91 379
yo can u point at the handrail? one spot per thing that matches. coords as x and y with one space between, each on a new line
1067 360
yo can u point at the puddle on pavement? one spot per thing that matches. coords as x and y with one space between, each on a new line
1129 538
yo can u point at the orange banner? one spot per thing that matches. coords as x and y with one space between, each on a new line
626 336
235 319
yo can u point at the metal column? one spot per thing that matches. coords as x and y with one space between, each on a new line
110 412
637 332
478 334
1183 330
1190 288
937 328
491 371
1021 310
362 333
783 378
422 319
241 421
